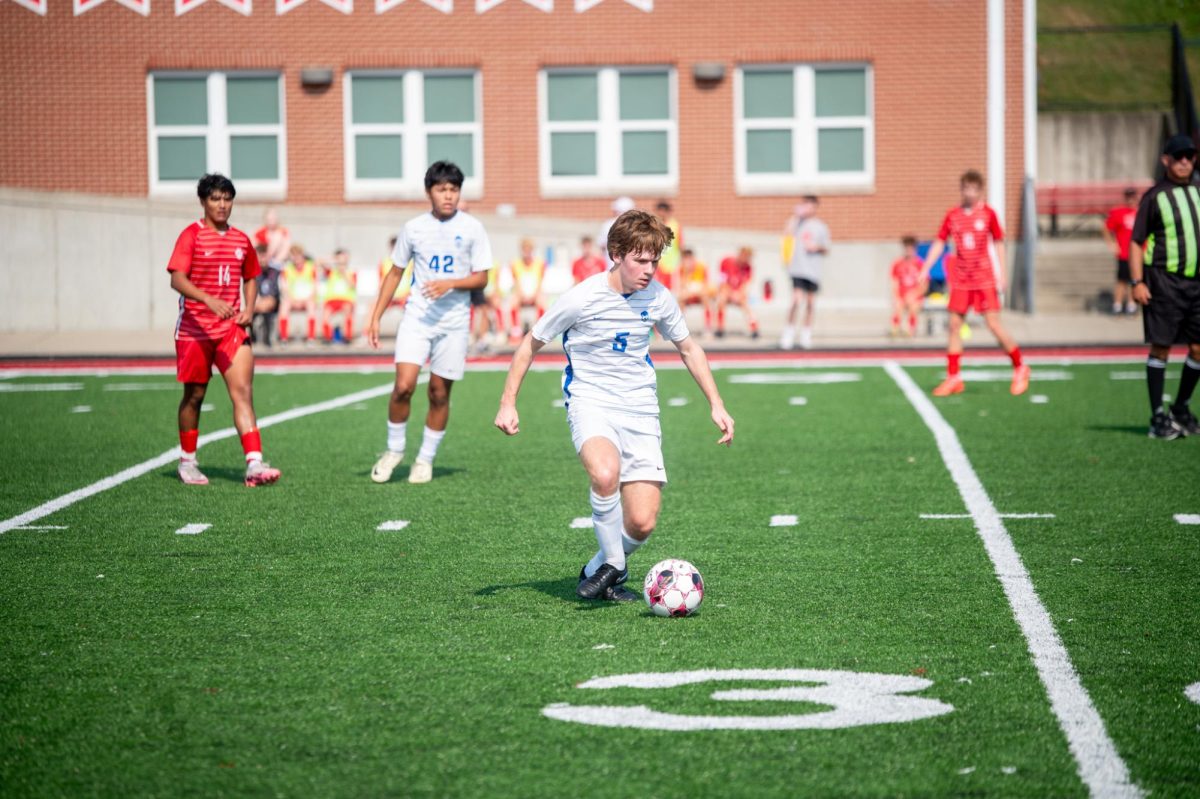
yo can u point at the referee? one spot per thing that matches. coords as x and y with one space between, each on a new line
1168 228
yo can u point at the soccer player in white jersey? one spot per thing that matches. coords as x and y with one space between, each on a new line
611 392
451 255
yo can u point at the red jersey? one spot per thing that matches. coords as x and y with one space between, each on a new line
735 273
216 263
973 232
1120 224
584 267
906 272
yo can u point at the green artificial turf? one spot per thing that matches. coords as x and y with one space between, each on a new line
294 649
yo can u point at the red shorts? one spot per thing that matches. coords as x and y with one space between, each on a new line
194 360
982 300
337 306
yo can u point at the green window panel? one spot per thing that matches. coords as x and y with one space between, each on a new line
768 94
841 92
768 151
449 98
841 150
254 157
180 101
572 154
181 157
573 98
644 153
645 96
252 101
454 147
378 157
378 100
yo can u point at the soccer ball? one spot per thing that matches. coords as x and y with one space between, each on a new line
673 588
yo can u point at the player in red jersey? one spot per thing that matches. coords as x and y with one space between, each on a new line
589 262
213 268
975 229
907 287
735 283
1118 232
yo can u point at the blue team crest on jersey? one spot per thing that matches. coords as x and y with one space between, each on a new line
458 242
645 316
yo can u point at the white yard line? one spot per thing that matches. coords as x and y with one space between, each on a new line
157 462
1099 764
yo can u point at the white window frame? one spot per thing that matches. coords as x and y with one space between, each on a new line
217 135
804 125
413 131
609 130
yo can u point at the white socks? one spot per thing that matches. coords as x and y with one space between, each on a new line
630 545
429 445
606 519
395 437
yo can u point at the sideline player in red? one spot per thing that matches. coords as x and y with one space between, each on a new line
975 228
735 283
213 268
907 287
1118 232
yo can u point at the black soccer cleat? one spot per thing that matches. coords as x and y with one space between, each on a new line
1162 426
594 587
1185 420
619 593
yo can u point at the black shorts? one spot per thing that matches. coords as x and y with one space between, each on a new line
268 283
804 283
1173 314
478 297
1123 270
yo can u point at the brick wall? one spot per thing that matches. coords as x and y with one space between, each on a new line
75 107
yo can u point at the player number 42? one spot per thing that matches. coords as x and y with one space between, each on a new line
442 263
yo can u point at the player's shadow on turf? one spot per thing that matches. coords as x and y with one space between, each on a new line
563 588
401 475
1139 430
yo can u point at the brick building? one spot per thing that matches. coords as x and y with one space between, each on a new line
731 108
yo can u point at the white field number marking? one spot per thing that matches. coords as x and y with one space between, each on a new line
1192 692
857 699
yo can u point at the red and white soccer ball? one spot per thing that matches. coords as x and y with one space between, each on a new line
673 588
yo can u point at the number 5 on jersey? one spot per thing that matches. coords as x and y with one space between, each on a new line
621 341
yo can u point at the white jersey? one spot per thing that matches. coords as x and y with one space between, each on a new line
442 250
607 340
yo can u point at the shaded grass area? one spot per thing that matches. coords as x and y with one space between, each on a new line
293 648
1099 70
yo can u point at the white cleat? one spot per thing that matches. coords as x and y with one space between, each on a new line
260 473
422 472
191 475
381 472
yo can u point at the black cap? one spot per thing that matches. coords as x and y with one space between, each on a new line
1179 144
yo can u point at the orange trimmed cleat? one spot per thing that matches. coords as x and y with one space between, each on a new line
1020 380
951 385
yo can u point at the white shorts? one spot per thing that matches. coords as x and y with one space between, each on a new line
445 351
638 439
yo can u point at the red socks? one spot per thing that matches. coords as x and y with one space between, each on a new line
1015 355
187 443
283 328
252 445
952 361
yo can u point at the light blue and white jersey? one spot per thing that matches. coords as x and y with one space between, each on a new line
607 340
442 250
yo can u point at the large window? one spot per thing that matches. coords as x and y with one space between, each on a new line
216 122
398 123
608 131
804 127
